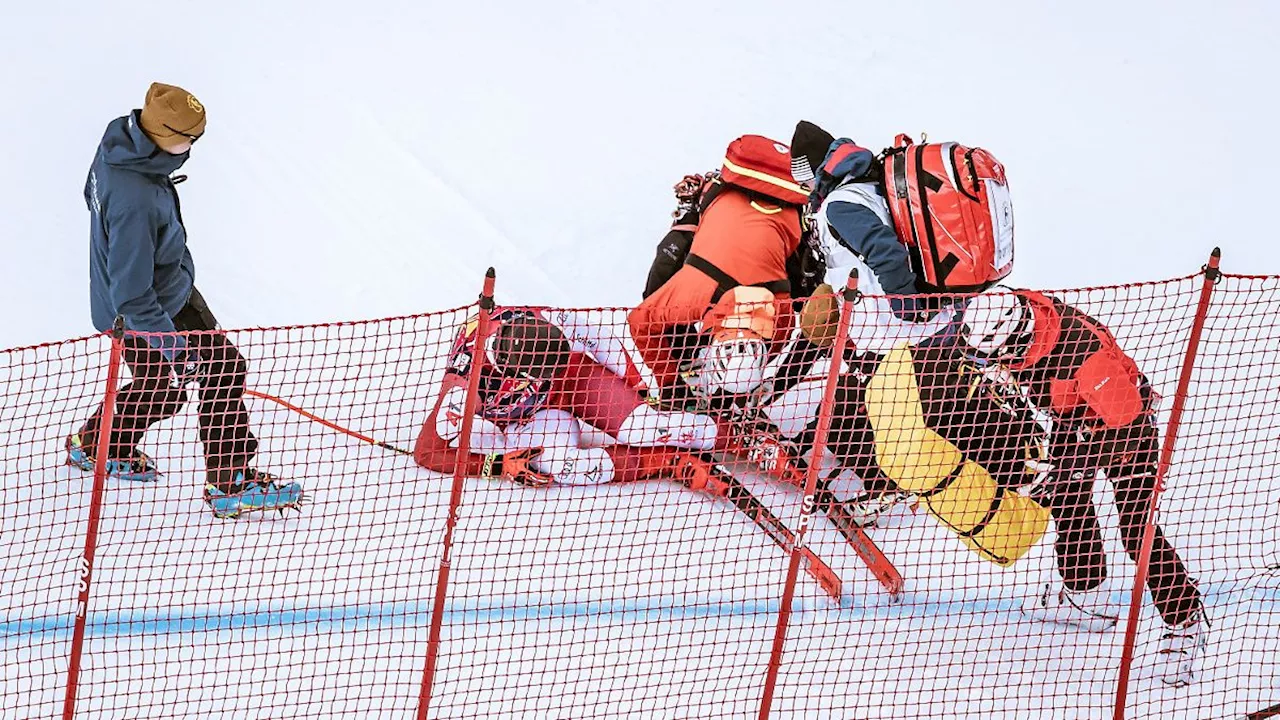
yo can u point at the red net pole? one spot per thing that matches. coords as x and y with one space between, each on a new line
1211 275
455 497
1265 713
95 515
810 489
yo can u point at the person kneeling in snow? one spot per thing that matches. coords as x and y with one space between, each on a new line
853 225
747 228
545 373
1069 367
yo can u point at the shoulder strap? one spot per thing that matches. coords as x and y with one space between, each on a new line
726 282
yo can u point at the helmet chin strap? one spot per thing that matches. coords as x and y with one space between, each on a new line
491 354
1019 341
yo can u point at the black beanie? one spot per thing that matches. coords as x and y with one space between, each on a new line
809 145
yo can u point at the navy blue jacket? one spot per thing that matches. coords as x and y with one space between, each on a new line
139 265
848 194
856 225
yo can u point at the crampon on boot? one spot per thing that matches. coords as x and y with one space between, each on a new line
231 494
1181 650
138 468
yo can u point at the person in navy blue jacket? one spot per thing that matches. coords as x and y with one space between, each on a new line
853 225
852 222
141 271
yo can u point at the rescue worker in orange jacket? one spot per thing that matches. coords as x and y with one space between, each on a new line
750 227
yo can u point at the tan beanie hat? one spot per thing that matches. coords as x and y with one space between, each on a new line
171 116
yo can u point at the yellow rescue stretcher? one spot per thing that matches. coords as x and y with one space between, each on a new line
1000 526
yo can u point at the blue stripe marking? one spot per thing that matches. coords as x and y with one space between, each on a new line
383 616
374 616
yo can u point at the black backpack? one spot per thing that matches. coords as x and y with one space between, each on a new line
806 267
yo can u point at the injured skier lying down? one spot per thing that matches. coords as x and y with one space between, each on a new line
544 374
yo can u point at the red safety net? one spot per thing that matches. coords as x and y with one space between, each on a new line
503 512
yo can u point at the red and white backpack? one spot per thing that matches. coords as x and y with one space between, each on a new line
951 208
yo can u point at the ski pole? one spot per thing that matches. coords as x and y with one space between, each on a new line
331 425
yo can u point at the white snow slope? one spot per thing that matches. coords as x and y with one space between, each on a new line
371 159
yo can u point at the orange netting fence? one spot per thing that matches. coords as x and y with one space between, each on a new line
502 512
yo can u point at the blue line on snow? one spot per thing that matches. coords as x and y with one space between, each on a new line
384 616
372 616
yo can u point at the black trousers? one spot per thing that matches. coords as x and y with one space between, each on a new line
1082 561
1128 458
150 395
851 439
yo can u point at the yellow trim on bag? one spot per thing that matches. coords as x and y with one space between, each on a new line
765 210
762 177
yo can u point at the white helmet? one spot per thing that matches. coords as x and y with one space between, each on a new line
996 323
734 365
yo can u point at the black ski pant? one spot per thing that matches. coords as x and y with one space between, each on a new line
1082 561
150 395
1128 458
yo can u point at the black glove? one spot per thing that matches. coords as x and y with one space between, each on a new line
188 367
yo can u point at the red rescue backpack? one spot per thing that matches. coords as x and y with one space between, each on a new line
761 165
952 210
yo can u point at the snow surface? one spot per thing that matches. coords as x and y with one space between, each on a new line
368 160
372 159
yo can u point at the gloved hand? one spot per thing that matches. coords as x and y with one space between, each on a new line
693 472
820 316
1047 466
188 367
1040 477
517 467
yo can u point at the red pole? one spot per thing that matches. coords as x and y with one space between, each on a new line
810 489
95 515
455 497
1211 275
327 423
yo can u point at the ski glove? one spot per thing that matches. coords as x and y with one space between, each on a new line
516 466
188 367
691 471
820 316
